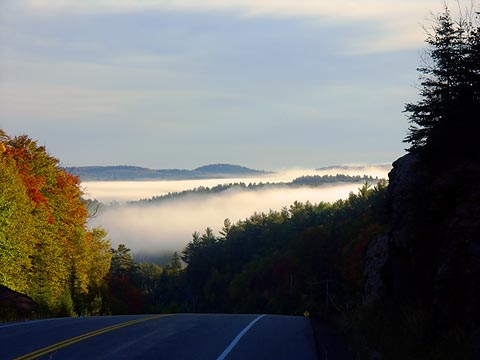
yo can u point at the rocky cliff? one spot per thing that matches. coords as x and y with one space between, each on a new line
430 257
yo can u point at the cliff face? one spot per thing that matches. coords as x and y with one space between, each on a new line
430 257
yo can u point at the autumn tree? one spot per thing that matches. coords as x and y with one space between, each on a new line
64 257
16 227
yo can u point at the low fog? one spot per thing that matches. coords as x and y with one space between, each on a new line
122 191
165 227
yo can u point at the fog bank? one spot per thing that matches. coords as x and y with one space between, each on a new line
168 226
122 191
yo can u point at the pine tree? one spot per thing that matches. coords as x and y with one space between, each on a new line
444 120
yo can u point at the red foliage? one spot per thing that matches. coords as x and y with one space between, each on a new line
33 184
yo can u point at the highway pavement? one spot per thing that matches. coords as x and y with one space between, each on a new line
176 336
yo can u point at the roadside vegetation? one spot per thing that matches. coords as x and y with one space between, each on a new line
46 249
305 259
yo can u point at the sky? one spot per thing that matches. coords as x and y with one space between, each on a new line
179 84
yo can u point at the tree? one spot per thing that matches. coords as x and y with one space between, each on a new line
16 228
175 263
444 120
125 297
46 249
101 256
192 247
38 171
208 238
122 261
227 227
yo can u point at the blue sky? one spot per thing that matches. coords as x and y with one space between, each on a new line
157 83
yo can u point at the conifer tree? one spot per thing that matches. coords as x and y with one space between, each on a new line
444 120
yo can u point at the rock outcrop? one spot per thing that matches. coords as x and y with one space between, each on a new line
15 305
430 256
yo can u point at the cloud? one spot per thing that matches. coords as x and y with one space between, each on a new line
167 226
396 22
59 102
366 9
73 90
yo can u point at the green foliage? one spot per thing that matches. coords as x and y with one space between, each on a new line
142 287
122 261
175 264
445 119
96 306
16 228
279 262
45 247
66 306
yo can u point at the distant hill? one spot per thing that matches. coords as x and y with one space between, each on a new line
386 167
227 169
123 172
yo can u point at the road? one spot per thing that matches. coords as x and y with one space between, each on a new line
179 336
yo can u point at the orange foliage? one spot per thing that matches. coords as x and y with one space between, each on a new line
64 252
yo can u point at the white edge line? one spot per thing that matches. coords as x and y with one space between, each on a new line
238 337
27 322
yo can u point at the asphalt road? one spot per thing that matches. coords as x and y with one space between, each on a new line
181 336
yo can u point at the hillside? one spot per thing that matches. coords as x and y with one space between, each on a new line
355 167
303 181
227 169
123 172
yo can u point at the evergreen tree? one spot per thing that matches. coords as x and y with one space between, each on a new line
122 261
444 120
175 263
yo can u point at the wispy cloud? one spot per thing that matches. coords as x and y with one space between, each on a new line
366 9
397 22
266 83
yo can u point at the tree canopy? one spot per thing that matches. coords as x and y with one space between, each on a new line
445 119
46 249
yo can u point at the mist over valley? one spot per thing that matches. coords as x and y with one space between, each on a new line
166 226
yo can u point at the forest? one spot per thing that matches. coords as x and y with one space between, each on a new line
68 269
270 254
394 266
309 180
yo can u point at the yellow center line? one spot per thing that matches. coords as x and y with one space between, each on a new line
43 351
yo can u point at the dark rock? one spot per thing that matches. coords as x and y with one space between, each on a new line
13 303
376 257
430 256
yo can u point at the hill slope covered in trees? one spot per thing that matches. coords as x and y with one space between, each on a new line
115 173
46 250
